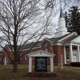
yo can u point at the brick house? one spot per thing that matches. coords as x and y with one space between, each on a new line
63 44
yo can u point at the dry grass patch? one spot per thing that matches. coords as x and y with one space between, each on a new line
68 73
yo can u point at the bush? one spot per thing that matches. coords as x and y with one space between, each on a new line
75 64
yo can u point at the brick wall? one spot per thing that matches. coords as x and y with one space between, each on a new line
58 51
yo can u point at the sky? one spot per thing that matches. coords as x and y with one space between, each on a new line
55 12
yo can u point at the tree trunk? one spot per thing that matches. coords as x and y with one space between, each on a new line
15 66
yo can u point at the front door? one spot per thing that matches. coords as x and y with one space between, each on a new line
74 58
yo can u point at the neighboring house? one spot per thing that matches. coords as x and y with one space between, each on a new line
63 44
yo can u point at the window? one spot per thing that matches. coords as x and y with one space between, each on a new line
25 56
46 46
0 58
20 56
68 56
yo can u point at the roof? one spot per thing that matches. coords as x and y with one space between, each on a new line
27 46
51 40
41 53
32 44
69 40
54 40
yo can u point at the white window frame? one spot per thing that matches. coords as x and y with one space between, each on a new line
25 56
46 45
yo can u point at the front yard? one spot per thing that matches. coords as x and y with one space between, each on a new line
68 73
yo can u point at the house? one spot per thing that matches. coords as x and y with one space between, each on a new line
63 44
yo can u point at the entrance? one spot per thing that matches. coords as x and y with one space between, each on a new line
74 58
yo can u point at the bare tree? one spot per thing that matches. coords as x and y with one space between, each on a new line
19 23
22 20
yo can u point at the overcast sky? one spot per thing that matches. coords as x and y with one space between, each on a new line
54 17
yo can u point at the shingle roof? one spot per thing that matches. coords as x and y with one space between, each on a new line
52 41
27 46
69 40
31 45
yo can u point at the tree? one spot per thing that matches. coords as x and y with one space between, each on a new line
73 20
17 17
21 21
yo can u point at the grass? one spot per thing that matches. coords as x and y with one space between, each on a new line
68 73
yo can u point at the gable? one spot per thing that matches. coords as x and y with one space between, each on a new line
76 40
41 53
68 38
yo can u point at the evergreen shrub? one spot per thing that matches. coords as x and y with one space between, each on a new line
75 64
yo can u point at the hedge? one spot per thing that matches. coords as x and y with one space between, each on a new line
75 64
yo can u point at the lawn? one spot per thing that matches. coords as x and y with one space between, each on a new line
68 73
